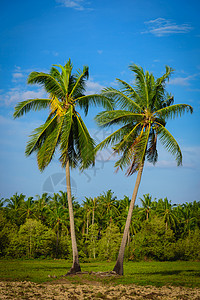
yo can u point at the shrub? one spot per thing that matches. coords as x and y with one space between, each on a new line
153 241
33 240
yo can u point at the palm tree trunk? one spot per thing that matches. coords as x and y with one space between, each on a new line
75 266
87 228
119 264
93 216
57 239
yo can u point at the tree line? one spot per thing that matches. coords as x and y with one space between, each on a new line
39 227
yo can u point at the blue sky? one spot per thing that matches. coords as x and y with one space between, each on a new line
107 36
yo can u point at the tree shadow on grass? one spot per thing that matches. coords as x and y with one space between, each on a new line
173 272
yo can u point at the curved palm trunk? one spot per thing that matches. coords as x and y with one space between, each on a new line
75 265
119 264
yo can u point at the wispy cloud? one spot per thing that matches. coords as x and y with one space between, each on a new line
183 81
162 27
93 87
75 4
18 94
17 74
48 52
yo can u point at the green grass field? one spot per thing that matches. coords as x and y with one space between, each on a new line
140 273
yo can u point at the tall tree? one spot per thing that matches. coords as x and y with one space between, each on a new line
28 208
165 209
188 217
41 206
147 206
144 110
64 128
109 205
87 206
15 204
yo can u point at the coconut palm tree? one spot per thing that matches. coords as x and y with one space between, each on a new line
188 217
165 209
144 110
64 128
87 206
28 209
41 206
57 216
147 206
15 204
109 205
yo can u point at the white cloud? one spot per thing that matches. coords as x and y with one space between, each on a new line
93 87
18 94
17 75
75 4
162 27
48 52
183 81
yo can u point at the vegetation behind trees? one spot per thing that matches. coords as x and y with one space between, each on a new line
40 228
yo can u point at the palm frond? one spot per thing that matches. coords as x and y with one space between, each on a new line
85 143
131 93
54 72
47 150
56 106
151 153
32 104
141 85
139 150
134 154
123 100
50 83
169 142
39 135
108 118
174 110
65 135
85 101
79 85
65 76
114 137
128 137
168 72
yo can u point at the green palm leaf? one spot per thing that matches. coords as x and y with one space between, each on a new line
96 100
130 92
39 135
79 85
86 143
170 143
33 104
49 82
121 99
65 135
112 138
108 118
47 150
141 85
174 110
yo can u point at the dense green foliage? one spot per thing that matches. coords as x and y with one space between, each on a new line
39 228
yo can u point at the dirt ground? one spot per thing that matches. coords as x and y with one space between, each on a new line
63 289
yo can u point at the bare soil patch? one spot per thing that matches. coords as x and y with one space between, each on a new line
63 289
